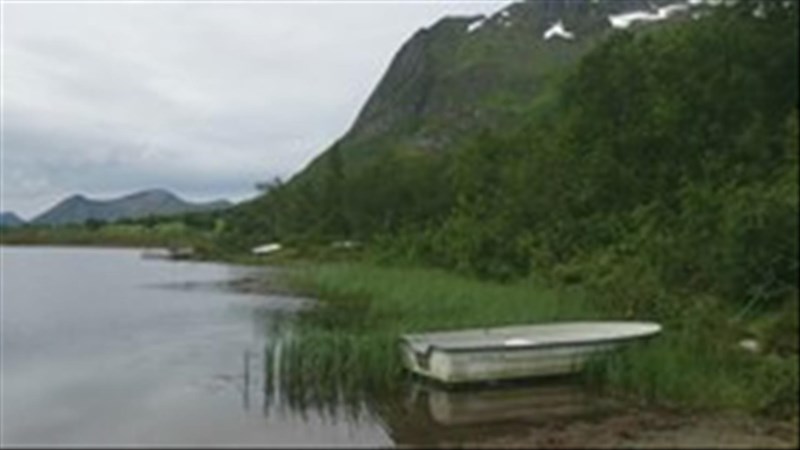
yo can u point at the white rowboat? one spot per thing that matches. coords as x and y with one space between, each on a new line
489 354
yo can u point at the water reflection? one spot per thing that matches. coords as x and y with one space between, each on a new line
431 415
529 403
418 413
103 355
422 413
304 395
114 350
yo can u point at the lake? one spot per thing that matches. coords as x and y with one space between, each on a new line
102 347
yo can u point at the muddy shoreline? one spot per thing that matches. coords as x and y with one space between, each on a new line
266 282
653 428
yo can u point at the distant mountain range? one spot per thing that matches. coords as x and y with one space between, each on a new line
9 219
154 202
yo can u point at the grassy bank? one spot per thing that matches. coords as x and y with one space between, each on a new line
117 235
350 340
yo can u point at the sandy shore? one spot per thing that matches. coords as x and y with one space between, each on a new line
658 429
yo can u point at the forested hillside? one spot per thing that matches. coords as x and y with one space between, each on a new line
661 172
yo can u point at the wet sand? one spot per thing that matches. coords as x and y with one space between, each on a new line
659 429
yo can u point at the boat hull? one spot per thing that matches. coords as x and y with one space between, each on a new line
488 365
504 353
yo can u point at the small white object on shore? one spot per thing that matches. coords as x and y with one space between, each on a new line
156 253
751 345
266 248
345 244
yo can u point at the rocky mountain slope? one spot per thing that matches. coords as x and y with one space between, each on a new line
467 73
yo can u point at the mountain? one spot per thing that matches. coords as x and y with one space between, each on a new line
156 202
464 74
446 85
9 219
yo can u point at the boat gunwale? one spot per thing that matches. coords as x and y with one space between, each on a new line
429 348
536 345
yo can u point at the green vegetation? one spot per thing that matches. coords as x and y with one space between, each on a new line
660 176
197 230
705 370
667 166
350 340
664 171
656 178
349 344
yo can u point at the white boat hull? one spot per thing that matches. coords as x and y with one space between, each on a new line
451 367
477 363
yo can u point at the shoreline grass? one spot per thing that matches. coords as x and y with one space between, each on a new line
348 342
350 338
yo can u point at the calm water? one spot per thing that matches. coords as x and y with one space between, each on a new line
101 347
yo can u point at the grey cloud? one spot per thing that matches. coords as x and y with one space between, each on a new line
205 99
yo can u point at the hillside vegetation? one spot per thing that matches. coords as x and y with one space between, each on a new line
662 170
658 176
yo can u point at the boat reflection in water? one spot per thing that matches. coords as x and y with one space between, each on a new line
432 415
530 403
419 412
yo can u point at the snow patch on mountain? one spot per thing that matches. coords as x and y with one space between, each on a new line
557 30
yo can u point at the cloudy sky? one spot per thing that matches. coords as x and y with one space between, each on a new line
205 99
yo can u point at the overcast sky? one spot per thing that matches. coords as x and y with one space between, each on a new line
205 99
